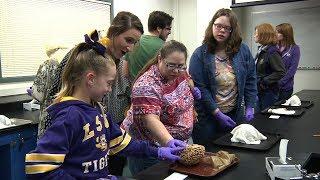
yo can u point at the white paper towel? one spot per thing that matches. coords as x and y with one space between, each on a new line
5 120
246 133
283 150
293 101
281 111
176 176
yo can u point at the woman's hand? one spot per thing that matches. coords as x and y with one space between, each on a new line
169 154
224 120
174 143
249 114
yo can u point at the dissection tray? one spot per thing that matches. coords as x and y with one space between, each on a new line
264 145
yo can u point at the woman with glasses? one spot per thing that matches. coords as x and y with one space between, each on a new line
224 70
290 53
162 103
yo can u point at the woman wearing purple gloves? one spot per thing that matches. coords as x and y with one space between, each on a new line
290 53
162 110
224 70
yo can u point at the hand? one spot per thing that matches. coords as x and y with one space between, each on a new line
169 154
174 143
249 114
224 120
112 177
30 91
196 93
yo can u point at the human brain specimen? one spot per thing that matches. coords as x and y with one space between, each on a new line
192 154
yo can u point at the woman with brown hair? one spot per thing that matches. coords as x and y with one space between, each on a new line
223 69
124 31
290 54
161 111
270 68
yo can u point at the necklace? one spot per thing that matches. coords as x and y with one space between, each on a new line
222 58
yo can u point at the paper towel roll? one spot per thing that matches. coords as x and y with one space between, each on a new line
283 150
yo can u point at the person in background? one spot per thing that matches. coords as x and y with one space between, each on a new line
44 78
161 111
81 136
290 53
223 68
159 27
270 68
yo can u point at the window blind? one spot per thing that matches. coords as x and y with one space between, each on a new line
27 26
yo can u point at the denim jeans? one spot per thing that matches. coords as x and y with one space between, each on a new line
267 98
136 164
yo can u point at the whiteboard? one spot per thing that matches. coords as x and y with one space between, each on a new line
306 27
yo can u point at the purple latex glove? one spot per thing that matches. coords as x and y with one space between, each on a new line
249 114
173 143
30 91
196 93
110 177
224 120
169 154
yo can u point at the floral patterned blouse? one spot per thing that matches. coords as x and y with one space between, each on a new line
41 86
172 102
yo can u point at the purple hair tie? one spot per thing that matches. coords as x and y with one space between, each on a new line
93 41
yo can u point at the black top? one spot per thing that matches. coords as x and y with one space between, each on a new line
270 68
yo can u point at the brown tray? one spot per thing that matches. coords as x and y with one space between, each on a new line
201 169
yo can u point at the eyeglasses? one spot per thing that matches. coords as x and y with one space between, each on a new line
220 26
171 66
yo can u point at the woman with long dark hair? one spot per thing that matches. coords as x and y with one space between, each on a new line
290 54
224 70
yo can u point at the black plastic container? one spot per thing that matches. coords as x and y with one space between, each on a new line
312 164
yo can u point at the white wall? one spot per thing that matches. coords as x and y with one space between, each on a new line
186 24
205 11
193 19
142 9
